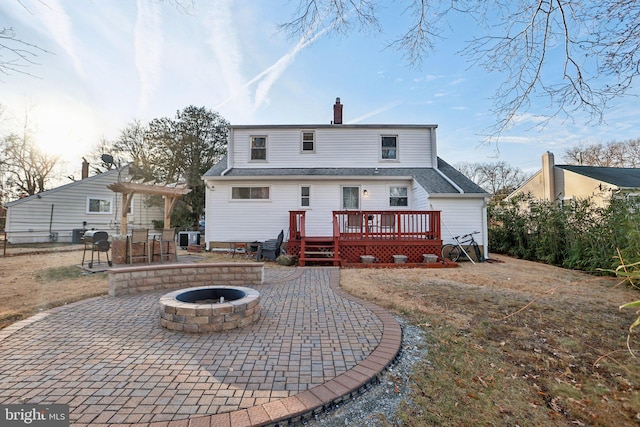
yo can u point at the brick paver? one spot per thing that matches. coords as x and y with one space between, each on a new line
111 362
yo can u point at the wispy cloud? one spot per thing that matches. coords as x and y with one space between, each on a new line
269 76
148 47
223 41
57 23
375 112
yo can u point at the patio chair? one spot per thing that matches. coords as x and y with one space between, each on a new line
387 222
354 223
270 249
139 238
167 237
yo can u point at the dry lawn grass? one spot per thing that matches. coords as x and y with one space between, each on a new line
33 282
513 343
509 343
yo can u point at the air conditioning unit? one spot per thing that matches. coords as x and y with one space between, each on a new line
188 238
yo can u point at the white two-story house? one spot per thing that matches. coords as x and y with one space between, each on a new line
379 183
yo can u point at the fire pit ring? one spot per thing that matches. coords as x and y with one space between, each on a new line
209 309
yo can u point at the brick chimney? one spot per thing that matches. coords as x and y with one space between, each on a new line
548 177
337 112
85 168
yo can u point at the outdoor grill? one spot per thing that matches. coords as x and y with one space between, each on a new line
97 241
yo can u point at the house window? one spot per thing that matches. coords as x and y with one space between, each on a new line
398 196
258 148
305 196
250 193
99 206
350 197
308 142
389 147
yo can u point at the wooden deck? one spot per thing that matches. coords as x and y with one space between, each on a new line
379 234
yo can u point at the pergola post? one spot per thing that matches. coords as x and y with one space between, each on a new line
169 203
126 202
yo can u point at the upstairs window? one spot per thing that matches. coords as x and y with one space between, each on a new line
398 196
258 148
308 142
389 147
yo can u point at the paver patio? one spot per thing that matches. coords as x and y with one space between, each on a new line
111 362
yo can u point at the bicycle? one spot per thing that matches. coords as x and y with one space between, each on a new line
463 245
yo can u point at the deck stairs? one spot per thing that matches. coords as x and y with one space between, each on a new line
319 251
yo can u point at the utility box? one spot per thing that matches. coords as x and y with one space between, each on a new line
77 235
188 238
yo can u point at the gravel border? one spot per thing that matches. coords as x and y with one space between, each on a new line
382 399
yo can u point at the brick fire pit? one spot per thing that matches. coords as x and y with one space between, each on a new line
209 309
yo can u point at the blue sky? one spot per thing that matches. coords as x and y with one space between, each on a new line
113 61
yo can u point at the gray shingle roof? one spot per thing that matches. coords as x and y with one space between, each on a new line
620 177
428 178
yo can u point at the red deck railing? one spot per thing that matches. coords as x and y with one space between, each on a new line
375 225
380 234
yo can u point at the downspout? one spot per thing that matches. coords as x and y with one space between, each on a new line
485 227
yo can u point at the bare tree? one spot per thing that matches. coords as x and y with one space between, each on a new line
579 55
16 55
498 178
129 147
26 169
613 154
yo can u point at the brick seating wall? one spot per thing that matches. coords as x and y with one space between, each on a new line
136 279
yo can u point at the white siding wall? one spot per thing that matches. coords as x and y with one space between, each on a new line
461 216
255 220
29 221
335 148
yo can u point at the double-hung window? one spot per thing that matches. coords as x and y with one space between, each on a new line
305 196
308 141
389 147
398 196
258 148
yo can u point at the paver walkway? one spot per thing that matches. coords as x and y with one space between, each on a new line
110 361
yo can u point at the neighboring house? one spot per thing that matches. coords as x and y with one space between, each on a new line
61 214
275 176
568 182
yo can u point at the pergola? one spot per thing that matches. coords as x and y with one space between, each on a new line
170 192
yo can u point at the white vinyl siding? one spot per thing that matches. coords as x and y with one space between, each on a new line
334 148
265 218
460 216
64 209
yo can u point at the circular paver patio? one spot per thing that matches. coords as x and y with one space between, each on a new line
112 363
